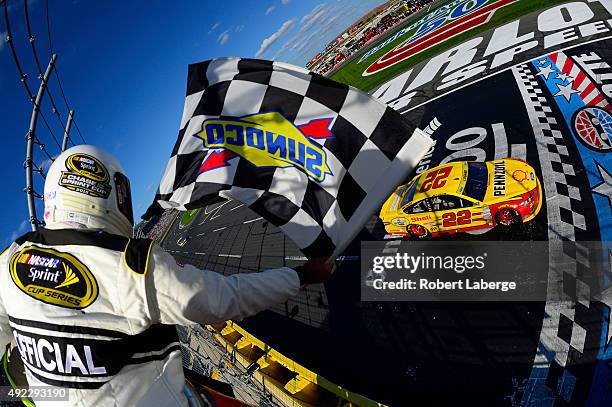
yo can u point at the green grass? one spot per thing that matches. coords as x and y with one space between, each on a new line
188 217
351 72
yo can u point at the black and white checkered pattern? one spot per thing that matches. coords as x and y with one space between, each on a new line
373 150
570 331
566 183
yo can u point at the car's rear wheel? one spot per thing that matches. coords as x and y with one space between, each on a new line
508 217
417 231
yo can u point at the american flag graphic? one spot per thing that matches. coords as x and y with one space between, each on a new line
587 90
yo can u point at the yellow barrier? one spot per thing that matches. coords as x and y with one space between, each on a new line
287 380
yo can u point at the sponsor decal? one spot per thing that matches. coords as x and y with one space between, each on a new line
399 222
520 176
86 175
87 166
593 127
53 277
558 27
443 24
499 178
267 140
421 218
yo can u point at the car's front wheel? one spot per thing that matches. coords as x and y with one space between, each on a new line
417 231
508 217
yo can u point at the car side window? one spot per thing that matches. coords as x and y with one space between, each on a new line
445 203
465 203
419 207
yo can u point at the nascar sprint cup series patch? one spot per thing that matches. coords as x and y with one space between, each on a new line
53 277
86 175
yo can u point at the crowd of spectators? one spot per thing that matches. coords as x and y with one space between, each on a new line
356 44
156 227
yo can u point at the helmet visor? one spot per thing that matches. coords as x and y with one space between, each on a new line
124 196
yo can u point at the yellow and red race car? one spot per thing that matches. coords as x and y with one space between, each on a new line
464 196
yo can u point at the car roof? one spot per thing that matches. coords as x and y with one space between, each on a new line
453 186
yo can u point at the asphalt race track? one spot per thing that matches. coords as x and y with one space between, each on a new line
549 106
413 347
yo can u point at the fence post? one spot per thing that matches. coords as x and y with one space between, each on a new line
30 145
67 130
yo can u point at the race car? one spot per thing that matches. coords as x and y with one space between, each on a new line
465 196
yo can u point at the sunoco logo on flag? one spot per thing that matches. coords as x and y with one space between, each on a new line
267 140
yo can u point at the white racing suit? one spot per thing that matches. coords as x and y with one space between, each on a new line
94 313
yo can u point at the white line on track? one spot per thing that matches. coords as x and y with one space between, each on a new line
216 214
519 151
239 256
236 207
392 237
303 258
181 252
216 230
206 212
295 258
252 220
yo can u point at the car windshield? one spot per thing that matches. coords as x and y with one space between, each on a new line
400 191
409 195
476 184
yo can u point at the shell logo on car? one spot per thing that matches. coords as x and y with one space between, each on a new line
463 197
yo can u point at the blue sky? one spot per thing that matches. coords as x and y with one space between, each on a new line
123 66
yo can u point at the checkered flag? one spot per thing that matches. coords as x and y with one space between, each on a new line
312 156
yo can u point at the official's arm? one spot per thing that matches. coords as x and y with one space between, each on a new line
186 295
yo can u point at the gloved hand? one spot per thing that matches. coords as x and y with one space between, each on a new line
317 270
